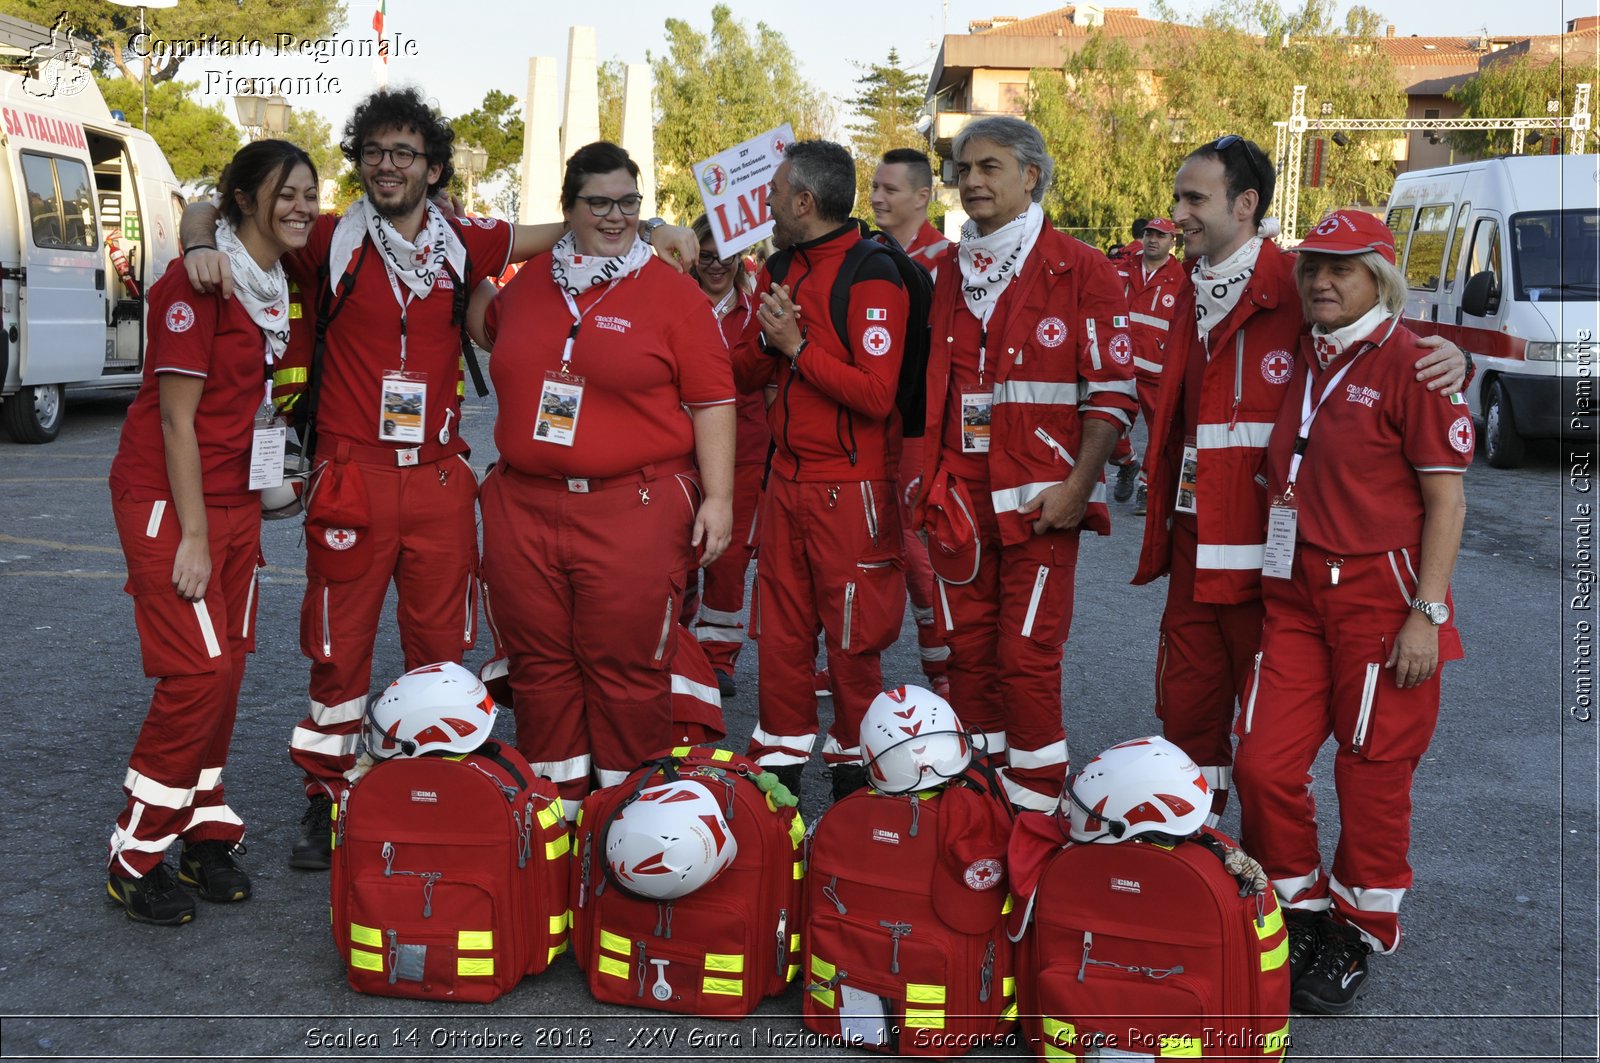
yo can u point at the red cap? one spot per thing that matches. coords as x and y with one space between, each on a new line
338 524
969 883
1349 232
952 530
1161 225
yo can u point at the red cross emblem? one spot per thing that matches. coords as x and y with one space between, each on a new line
340 538
1121 348
876 340
1461 434
1276 367
180 317
984 874
981 262
1052 332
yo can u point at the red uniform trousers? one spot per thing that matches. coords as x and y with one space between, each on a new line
1122 450
1203 667
717 625
830 562
919 571
422 534
584 593
1006 630
195 651
1322 672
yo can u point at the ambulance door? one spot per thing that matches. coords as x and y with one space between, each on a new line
63 304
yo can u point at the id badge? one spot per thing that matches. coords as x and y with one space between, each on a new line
862 1022
977 410
559 402
267 449
1186 479
1282 521
403 406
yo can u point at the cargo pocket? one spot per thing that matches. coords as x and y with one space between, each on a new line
667 609
1395 724
175 637
316 631
871 606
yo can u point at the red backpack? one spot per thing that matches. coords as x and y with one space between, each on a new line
906 949
450 876
718 951
1141 950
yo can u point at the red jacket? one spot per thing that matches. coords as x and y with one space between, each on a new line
834 413
1152 309
1063 360
1242 387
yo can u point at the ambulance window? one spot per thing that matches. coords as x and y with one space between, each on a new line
60 207
77 203
1425 260
1485 249
1452 262
1399 223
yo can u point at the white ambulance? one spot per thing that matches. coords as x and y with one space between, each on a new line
88 221
1503 257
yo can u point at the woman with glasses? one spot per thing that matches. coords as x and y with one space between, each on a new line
616 438
717 624
1364 471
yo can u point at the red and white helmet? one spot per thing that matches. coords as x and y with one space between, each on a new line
912 739
288 498
438 708
1144 786
670 841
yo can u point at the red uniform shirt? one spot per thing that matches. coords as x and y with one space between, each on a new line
753 437
1152 309
647 347
927 246
364 340
967 335
1357 490
202 336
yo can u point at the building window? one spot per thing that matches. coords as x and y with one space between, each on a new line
1013 97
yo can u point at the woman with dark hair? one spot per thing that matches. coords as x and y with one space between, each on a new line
717 625
614 386
190 525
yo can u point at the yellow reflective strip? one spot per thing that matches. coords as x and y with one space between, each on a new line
731 962
558 848
823 997
580 815
558 923
821 969
1005 909
1008 987
1054 1052
613 966
1183 1046
1276 1041
296 312
925 1018
797 832
794 942
548 816
289 376
917 993
799 870
722 754
475 966
1058 1032
457 757
1271 961
680 751
555 950
1271 924
794 969
475 940
615 943
723 987
367 961
365 935
1009 1014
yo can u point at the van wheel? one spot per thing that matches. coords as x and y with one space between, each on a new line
1502 446
33 414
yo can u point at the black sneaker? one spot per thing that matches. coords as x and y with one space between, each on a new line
156 898
1305 940
1127 479
847 779
313 850
1141 500
210 868
789 775
1337 976
725 685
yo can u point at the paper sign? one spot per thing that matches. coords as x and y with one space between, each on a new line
733 187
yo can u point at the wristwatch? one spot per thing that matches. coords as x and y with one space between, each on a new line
1436 612
648 227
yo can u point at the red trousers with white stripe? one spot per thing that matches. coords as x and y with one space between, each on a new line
195 651
1006 630
584 591
423 535
717 625
830 562
1204 665
919 571
1322 673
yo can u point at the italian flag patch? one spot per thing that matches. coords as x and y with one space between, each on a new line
877 314
1119 322
1458 399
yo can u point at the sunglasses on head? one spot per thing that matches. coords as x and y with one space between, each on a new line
1222 144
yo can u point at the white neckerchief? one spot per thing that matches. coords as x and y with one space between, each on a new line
989 263
1217 287
1330 345
575 273
264 293
414 264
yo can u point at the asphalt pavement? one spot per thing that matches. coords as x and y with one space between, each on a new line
1499 959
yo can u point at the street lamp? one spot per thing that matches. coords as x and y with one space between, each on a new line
470 161
262 116
144 82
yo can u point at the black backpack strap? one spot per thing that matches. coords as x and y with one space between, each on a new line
328 308
492 751
458 317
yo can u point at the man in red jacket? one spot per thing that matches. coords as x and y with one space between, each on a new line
830 529
1152 280
1030 381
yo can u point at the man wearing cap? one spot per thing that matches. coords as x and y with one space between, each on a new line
1030 381
1223 385
1152 282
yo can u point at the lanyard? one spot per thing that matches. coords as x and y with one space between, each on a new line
405 306
577 323
723 308
1308 414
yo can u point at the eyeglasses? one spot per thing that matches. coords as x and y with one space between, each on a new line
600 206
711 258
402 157
1222 144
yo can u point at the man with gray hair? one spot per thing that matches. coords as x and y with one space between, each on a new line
1030 382
829 526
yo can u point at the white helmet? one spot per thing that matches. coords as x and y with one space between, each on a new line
288 498
910 739
670 841
438 708
1144 786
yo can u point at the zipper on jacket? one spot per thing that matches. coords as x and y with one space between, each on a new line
1369 694
844 423
1238 377
849 606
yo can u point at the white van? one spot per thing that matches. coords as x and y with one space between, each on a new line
88 221
1503 257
